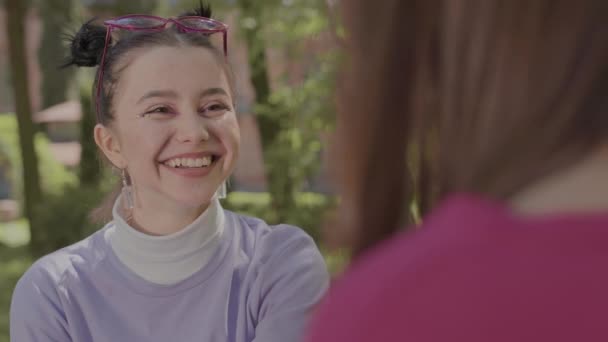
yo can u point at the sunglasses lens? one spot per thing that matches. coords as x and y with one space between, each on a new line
201 24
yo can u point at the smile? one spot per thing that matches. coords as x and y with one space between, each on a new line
193 165
189 162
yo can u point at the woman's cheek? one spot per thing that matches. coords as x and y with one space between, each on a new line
228 133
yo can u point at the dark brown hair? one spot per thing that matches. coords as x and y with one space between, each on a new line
443 96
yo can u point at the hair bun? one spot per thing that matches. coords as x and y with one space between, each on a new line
203 10
86 46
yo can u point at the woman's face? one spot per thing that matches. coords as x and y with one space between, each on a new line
175 129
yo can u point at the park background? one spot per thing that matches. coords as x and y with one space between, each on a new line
284 54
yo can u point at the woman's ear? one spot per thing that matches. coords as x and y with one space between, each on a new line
109 144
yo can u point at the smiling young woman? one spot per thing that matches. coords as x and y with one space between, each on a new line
171 265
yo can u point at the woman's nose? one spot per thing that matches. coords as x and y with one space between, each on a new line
192 128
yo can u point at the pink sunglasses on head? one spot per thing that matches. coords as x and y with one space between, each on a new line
150 23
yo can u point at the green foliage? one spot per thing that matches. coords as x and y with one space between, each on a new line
294 20
54 176
13 262
293 156
54 180
292 118
5 165
336 261
308 213
64 218
303 113
65 214
15 233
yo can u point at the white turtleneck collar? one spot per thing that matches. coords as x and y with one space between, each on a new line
171 258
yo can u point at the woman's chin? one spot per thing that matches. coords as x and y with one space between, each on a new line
194 200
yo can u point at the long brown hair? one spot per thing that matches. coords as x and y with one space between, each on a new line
443 96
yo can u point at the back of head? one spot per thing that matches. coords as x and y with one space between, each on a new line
484 96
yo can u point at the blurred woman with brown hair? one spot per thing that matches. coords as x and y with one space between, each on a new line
493 115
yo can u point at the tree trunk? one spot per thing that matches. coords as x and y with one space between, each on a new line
90 168
16 10
55 18
259 72
280 185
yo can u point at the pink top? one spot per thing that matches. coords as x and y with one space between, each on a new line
475 272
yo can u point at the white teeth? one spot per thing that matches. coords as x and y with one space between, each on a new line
189 162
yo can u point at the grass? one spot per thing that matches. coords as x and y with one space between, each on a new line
14 260
14 233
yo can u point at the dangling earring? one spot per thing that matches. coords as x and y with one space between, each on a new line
220 193
127 190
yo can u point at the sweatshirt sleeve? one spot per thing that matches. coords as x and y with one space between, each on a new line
36 313
293 281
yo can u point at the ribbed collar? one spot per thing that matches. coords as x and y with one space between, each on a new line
168 259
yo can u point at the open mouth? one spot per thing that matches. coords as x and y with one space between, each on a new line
190 163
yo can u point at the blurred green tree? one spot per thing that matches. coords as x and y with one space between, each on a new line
292 117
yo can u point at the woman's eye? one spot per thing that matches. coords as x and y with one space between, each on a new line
215 109
163 110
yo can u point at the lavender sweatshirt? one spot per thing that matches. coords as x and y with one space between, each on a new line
260 284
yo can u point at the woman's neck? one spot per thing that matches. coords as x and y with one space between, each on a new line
581 188
160 220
